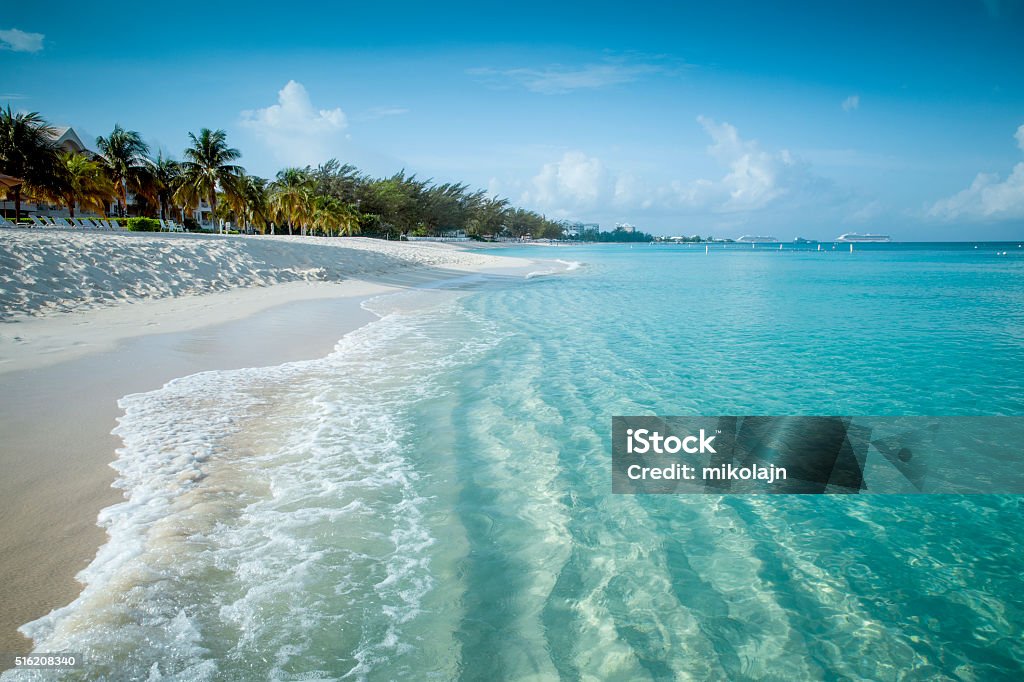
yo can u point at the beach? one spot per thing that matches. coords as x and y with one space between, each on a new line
373 343
89 318
413 480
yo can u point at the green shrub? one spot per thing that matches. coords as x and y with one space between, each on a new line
143 224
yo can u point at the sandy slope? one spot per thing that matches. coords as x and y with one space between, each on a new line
59 271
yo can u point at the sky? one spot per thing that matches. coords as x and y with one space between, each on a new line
728 118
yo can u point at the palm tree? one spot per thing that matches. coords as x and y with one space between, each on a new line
348 223
209 165
27 151
166 178
84 183
125 158
251 203
332 215
291 196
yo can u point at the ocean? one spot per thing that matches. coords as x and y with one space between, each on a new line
433 499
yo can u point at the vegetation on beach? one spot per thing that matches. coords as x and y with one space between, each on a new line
143 224
330 199
619 234
27 152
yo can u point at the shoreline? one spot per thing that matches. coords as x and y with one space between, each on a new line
64 373
59 446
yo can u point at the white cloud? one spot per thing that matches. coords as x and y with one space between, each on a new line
295 131
850 103
575 182
383 112
20 41
988 197
754 179
557 79
870 211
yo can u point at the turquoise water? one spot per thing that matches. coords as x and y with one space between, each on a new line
432 501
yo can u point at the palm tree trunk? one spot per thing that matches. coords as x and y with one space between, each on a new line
213 207
289 228
17 203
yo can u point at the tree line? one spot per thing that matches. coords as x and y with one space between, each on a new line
330 199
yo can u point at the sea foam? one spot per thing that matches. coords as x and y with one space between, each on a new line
273 522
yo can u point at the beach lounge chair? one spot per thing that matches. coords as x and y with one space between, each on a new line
36 222
4 222
60 222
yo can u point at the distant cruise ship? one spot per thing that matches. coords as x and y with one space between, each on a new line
854 237
751 239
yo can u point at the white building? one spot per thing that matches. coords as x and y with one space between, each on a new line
574 229
66 140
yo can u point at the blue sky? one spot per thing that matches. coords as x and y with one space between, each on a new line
727 118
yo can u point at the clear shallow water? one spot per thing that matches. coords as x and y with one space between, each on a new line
432 500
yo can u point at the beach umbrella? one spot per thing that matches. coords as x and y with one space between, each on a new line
8 181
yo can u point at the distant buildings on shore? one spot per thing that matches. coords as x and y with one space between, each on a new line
573 229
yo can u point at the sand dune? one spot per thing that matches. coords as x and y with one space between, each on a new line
42 272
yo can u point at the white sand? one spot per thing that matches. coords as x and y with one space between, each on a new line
66 294
43 271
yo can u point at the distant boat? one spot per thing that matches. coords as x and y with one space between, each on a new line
855 237
801 240
752 239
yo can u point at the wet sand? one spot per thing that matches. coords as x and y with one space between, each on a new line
56 418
